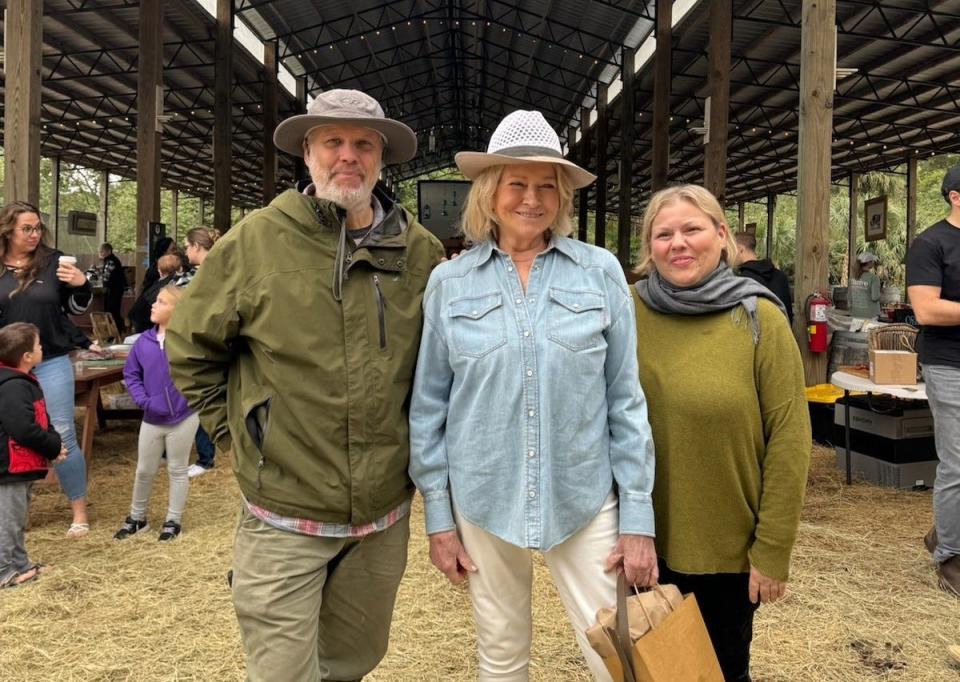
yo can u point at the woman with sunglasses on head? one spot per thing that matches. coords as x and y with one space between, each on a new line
36 287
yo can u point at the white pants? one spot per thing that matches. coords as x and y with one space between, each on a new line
500 590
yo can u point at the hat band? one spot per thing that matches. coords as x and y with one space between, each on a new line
523 151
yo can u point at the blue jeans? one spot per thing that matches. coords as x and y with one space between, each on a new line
56 380
943 394
205 449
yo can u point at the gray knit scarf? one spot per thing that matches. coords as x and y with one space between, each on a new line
721 290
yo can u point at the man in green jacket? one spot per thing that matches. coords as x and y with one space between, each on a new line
296 344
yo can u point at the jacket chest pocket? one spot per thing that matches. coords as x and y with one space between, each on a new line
477 324
576 319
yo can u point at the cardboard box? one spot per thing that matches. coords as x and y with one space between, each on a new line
898 367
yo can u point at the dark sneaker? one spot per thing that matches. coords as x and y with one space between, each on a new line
130 527
930 540
949 574
170 530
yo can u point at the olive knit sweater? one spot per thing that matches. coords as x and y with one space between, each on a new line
732 435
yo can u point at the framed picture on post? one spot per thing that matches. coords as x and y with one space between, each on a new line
875 219
82 223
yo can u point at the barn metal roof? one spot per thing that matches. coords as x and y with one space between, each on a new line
89 95
451 69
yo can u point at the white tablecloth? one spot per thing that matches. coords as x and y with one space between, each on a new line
852 382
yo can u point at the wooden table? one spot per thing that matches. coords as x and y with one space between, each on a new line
852 382
88 382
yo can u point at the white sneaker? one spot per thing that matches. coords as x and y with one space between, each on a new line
196 470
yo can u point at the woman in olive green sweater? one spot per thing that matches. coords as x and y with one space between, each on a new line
725 385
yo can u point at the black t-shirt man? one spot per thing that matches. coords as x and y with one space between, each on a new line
934 260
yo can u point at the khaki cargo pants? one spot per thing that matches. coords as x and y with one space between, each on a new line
313 608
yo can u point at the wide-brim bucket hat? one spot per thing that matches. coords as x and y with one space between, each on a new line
347 107
522 137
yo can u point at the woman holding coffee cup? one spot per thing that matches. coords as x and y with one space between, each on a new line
41 285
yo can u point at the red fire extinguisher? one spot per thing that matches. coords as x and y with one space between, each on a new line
816 307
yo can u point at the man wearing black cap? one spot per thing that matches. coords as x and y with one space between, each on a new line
933 284
298 354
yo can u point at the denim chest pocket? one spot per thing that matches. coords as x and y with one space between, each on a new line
576 318
477 324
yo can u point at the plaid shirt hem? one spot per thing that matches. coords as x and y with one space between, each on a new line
324 529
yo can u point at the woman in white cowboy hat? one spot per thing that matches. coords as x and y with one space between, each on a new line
528 426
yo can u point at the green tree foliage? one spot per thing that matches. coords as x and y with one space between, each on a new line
80 191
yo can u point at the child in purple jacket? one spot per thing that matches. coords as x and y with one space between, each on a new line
168 424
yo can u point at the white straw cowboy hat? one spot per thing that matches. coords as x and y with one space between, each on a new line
347 107
522 137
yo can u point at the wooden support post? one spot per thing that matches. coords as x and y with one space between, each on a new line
818 60
175 211
661 95
104 216
741 220
300 169
584 157
269 120
222 116
911 199
572 156
771 209
203 211
854 203
149 81
718 89
23 33
625 226
600 210
55 201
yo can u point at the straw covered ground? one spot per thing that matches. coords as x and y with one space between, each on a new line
863 604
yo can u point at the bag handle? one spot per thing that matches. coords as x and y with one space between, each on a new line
621 637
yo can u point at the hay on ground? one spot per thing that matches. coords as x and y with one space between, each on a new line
863 604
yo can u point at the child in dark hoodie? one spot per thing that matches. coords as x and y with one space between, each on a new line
28 442
168 424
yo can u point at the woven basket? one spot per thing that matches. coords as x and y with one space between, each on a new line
894 337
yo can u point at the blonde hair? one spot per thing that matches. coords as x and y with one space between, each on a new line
174 291
479 220
700 198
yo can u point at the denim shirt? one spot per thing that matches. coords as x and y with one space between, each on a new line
527 406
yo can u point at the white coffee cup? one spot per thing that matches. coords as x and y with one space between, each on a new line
68 260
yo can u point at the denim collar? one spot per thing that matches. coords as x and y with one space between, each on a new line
564 245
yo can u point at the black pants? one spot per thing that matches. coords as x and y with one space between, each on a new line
724 601
113 304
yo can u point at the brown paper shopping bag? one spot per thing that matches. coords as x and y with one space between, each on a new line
672 647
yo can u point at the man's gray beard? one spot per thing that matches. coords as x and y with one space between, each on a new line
347 199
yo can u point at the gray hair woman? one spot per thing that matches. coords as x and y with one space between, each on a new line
729 419
528 427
